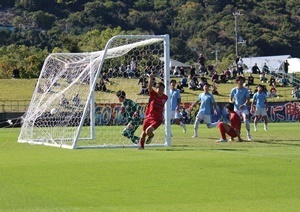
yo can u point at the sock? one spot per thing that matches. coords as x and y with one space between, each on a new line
222 131
142 143
134 139
196 126
247 124
211 125
195 132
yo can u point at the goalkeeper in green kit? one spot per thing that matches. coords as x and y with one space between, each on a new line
131 111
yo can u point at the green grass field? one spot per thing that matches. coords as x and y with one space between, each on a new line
191 175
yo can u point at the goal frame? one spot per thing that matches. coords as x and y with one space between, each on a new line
91 98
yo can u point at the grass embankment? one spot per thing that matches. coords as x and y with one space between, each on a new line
18 92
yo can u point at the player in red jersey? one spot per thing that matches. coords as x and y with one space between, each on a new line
234 129
154 111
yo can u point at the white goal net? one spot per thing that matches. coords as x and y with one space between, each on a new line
75 103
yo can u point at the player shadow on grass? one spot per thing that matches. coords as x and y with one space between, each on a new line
178 148
279 142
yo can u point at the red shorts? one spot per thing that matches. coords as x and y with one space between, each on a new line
151 122
232 133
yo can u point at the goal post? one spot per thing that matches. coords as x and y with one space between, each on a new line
74 104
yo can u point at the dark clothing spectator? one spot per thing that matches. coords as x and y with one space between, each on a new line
286 66
223 78
266 69
262 77
180 87
16 73
184 81
192 71
250 80
284 81
201 61
105 78
228 74
204 79
210 70
272 81
182 71
237 60
101 86
214 89
195 79
144 89
215 77
192 84
234 73
122 71
147 70
255 69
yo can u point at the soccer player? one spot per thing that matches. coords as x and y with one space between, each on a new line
208 104
154 111
258 107
234 129
175 100
131 111
241 97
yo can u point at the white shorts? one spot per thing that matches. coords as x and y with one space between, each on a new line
260 112
175 114
240 112
204 118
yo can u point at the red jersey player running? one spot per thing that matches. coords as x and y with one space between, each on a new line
234 129
154 111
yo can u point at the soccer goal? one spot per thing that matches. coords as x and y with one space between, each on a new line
74 104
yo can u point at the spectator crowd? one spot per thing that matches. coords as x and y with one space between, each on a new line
197 75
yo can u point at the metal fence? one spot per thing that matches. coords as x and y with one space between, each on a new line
14 105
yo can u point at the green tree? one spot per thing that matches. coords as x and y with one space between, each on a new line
43 20
28 60
96 40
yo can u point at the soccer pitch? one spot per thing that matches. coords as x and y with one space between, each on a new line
191 175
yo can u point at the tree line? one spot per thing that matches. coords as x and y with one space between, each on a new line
205 26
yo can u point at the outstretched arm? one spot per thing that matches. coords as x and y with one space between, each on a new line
150 88
215 108
252 105
193 104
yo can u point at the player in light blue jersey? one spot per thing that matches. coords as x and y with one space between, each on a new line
258 107
207 105
240 97
175 101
